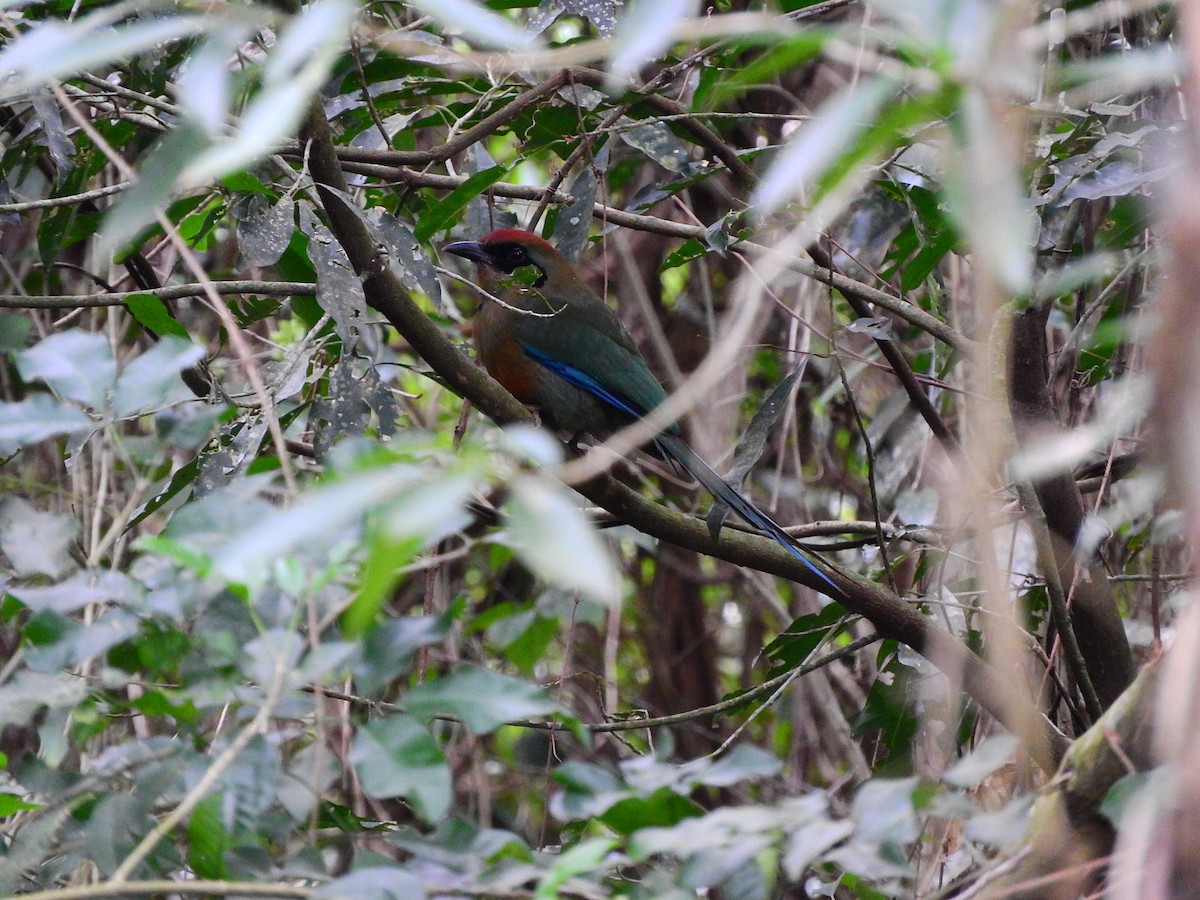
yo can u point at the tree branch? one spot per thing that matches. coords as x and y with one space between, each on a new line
1095 617
173 292
168 886
760 690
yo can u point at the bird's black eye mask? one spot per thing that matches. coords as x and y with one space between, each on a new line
512 258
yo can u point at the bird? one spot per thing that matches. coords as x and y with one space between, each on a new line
555 345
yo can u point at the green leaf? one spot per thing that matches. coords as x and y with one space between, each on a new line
76 364
204 89
743 762
11 803
784 57
373 883
35 419
418 506
481 699
36 542
477 24
809 841
56 50
416 269
554 538
28 692
750 445
180 480
573 221
180 552
820 143
645 30
78 591
152 313
207 839
981 762
444 213
884 811
146 383
140 205
380 574
987 193
524 638
396 757
387 650
794 646
581 859
660 809
656 141
692 248
14 330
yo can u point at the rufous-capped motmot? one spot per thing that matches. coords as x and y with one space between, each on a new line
557 347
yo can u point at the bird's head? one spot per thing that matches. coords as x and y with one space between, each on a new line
508 249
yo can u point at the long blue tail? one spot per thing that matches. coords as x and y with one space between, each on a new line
673 446
726 493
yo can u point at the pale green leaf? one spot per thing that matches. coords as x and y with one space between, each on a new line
555 539
396 757
981 762
479 698
373 883
148 381
35 419
295 70
77 364
417 505
646 29
476 23
987 194
140 205
53 50
206 85
36 542
584 857
818 144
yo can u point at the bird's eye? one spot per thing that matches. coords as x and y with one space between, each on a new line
518 256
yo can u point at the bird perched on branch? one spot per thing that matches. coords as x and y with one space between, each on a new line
556 346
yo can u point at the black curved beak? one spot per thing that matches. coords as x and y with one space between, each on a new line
472 250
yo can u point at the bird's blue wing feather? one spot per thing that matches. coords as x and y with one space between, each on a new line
585 382
672 448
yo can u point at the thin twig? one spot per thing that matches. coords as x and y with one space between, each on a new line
871 485
764 689
69 200
1059 610
173 292
169 886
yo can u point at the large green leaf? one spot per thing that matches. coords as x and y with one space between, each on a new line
552 535
77 364
481 699
396 757
36 419
445 212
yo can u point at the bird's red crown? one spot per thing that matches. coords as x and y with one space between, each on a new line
517 236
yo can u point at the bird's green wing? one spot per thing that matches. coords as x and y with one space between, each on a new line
594 354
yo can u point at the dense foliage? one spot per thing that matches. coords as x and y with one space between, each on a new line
295 601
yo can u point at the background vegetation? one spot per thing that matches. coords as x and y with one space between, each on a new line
286 613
